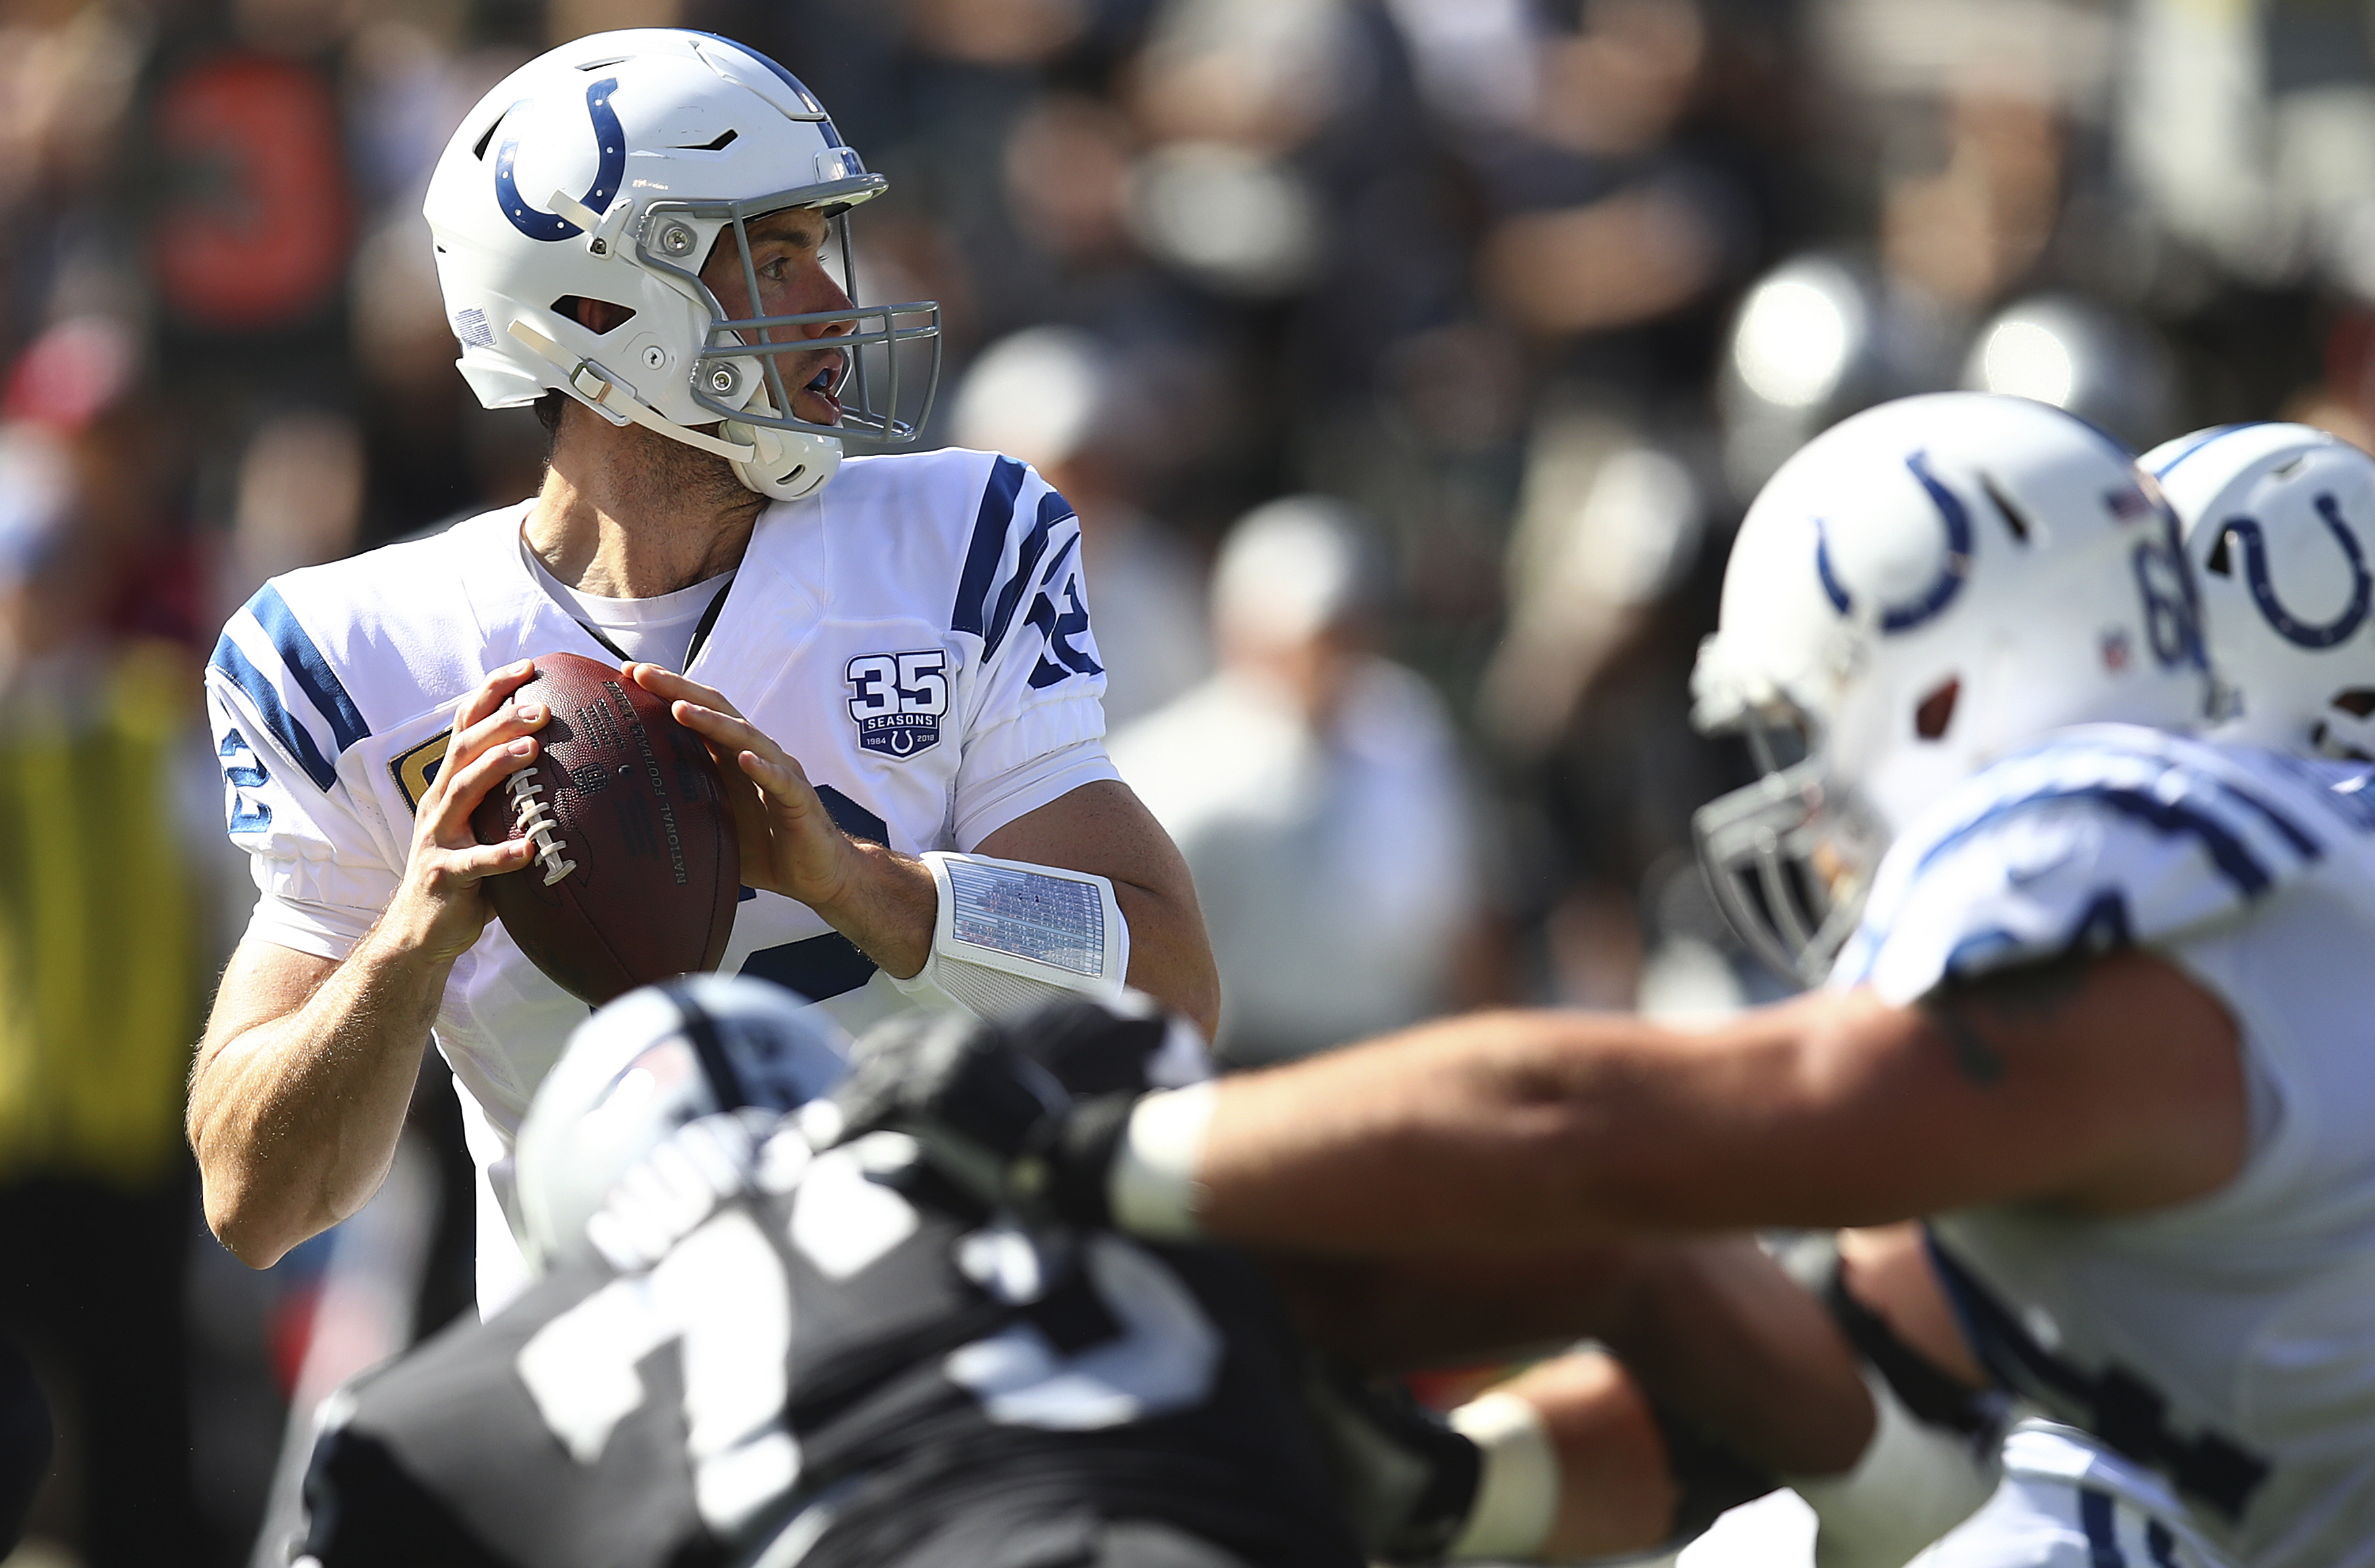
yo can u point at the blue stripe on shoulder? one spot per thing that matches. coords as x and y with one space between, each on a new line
1052 509
291 735
2227 851
989 525
2291 831
312 672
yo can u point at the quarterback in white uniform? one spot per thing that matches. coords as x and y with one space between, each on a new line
2099 1012
893 652
2278 519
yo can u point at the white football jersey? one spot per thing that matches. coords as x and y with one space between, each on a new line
2227 1344
916 635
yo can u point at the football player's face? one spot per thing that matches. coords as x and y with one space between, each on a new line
788 252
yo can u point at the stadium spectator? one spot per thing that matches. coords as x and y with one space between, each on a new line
1316 788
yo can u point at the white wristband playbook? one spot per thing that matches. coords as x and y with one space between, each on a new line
1011 937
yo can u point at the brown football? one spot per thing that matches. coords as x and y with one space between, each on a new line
637 867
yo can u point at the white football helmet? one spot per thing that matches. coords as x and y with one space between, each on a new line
2278 519
640 1069
1921 589
606 169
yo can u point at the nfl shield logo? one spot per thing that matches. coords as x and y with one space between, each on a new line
899 700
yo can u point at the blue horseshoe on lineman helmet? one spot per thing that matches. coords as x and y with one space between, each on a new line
1940 594
534 221
2293 630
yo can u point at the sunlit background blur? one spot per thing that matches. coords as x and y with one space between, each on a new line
1409 361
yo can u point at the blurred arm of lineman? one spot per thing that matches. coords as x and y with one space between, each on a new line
300 1085
2106 1086
1713 1374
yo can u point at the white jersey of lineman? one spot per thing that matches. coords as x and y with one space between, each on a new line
2227 1344
2067 1501
915 635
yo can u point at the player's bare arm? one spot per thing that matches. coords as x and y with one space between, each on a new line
300 1087
884 901
2114 1086
1713 1326
1103 828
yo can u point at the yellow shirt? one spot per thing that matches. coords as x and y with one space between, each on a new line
98 984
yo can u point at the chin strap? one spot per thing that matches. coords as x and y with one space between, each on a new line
609 396
763 459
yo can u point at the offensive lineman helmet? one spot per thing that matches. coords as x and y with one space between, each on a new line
2278 519
606 169
1918 589
641 1068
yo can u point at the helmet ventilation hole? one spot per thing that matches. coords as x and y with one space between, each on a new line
573 306
1937 710
2358 701
2221 560
723 140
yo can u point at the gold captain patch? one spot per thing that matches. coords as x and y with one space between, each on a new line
417 769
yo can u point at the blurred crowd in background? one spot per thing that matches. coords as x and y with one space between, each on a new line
1409 363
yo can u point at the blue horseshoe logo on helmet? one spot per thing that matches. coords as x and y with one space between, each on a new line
2299 633
539 224
1940 594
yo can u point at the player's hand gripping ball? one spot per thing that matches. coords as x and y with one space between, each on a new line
637 868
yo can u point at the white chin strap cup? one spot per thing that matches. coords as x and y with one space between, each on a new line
786 464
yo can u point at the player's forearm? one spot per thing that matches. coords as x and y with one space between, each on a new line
1714 1328
1170 958
1451 1309
1523 1129
886 906
1104 829
294 1118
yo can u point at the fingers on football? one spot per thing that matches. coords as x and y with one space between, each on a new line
784 783
666 684
489 695
449 816
476 861
491 732
727 732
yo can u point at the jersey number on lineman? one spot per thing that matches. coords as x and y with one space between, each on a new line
721 1295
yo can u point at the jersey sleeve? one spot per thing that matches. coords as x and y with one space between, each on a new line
321 872
2076 850
1035 725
